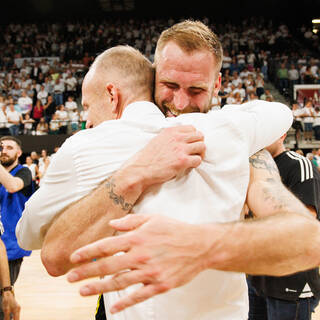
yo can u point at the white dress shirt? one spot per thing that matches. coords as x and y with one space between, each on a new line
214 192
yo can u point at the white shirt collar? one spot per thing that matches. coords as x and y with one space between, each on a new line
141 109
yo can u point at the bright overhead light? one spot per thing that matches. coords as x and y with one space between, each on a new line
316 21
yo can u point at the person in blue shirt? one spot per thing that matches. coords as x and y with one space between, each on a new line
16 187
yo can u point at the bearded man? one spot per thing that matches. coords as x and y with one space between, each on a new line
16 187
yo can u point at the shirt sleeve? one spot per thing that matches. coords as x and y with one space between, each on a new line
261 122
26 176
306 192
57 190
305 185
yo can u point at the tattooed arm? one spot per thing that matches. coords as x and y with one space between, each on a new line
86 221
266 193
173 150
284 236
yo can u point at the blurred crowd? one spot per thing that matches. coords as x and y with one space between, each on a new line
42 65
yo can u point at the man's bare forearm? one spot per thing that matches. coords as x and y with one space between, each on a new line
87 220
276 245
282 238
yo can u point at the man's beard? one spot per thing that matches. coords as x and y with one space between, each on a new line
6 161
170 111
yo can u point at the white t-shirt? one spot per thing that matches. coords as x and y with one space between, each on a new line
293 74
297 114
213 192
25 104
13 116
71 84
308 111
32 168
3 119
84 115
62 115
70 106
42 95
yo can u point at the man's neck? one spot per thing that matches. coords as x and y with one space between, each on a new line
279 151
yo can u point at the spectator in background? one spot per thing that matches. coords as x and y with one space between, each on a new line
71 85
84 116
43 169
87 60
223 94
231 98
316 123
237 98
308 119
44 162
35 157
14 120
70 105
3 120
48 87
267 95
16 91
24 103
312 158
259 85
49 108
307 76
58 90
283 78
28 124
33 167
37 113
54 124
299 151
16 188
314 69
294 78
42 127
34 89
74 120
226 62
42 95
297 120
63 118
317 156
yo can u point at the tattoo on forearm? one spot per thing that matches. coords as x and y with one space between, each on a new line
263 160
276 195
118 200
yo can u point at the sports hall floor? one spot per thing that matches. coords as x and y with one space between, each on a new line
43 297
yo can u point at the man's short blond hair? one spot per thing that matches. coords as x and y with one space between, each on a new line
190 36
132 69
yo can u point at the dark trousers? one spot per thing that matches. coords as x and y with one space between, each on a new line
14 268
317 132
261 308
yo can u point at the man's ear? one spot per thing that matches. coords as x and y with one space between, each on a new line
217 85
113 96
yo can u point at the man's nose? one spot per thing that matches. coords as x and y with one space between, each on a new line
181 100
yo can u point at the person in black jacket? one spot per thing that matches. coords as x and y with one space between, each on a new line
293 296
